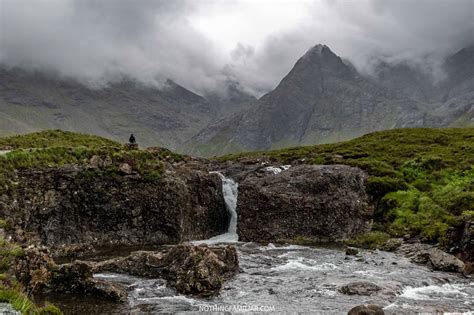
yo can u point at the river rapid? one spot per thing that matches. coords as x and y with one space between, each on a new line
293 278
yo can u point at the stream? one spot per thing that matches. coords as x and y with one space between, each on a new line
292 278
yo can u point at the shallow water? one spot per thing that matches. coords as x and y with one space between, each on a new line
299 279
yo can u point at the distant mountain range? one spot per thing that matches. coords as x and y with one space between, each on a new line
325 99
322 99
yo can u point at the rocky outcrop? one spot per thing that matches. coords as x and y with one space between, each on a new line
432 256
73 205
37 272
195 270
360 288
317 203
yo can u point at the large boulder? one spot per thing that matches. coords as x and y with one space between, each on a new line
195 270
72 205
311 202
432 256
37 272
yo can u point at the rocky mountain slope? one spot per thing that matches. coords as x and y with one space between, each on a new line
166 116
324 99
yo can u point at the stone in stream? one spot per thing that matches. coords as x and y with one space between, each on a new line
432 256
352 251
195 270
37 272
367 309
360 288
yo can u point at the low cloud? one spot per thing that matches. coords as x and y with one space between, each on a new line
202 45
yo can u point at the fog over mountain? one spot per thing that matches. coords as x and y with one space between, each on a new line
201 45
210 77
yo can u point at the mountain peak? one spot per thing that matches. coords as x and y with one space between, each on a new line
319 50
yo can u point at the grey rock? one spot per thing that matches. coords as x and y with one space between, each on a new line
367 309
360 288
352 251
316 203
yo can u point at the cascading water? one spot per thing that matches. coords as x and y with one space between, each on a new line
230 191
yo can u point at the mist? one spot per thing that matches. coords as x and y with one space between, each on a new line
204 44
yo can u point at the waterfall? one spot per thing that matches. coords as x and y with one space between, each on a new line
230 191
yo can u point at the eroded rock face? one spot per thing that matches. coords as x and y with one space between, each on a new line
318 203
194 270
72 205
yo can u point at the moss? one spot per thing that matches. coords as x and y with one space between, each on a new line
370 240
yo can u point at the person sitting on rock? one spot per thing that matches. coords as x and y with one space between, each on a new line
132 139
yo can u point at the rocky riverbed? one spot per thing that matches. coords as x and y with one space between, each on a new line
291 278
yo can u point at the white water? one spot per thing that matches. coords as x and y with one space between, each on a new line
276 170
230 192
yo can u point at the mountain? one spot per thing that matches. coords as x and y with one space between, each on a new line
324 99
166 116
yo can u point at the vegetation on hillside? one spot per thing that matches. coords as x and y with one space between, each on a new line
56 138
422 180
57 149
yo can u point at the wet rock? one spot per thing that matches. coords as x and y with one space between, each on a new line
367 309
195 270
72 205
305 202
360 288
352 251
77 277
432 256
33 268
37 272
442 261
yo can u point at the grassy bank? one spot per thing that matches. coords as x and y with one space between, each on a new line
422 180
50 149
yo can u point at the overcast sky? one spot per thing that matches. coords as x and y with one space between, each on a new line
202 43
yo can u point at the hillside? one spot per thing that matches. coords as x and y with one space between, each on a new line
165 115
421 180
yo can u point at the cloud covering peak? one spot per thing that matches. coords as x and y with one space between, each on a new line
203 44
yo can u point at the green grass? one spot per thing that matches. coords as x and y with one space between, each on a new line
421 180
52 149
56 138
370 240
22 303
